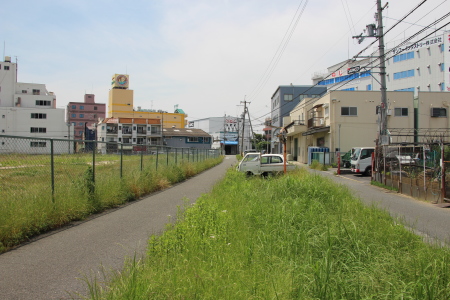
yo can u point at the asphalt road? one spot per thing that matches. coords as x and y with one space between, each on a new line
428 220
55 265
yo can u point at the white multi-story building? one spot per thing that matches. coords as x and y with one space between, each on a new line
29 110
226 132
422 66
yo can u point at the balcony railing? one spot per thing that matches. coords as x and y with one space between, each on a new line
316 122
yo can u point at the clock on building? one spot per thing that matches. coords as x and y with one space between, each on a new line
120 80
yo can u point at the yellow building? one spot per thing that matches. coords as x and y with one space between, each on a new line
120 105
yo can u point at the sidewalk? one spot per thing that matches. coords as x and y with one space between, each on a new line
53 266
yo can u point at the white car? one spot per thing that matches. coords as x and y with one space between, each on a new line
263 164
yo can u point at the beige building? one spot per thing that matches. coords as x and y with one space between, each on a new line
120 105
341 120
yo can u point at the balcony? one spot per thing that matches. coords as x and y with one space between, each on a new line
141 130
126 130
156 133
296 127
111 131
316 122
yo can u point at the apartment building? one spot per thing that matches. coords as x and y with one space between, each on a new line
421 66
134 134
121 105
83 115
341 120
29 110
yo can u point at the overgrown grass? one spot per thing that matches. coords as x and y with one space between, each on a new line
298 236
28 208
316 165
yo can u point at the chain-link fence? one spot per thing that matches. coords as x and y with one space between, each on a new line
417 170
53 168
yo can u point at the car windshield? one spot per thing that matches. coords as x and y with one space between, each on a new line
251 157
356 154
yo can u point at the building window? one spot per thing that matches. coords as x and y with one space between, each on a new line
38 144
206 140
39 116
81 115
81 106
80 132
404 56
5 67
193 139
80 123
120 139
348 89
404 74
43 103
38 130
24 91
287 97
74 123
349 111
442 86
442 65
438 112
74 107
405 90
369 87
36 92
73 115
95 107
401 111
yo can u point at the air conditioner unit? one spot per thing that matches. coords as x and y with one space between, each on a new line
389 112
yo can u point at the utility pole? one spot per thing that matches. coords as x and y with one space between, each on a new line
374 31
243 126
251 127
379 18
223 138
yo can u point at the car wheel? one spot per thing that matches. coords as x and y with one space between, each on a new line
368 171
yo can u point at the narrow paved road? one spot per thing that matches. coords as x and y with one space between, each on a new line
53 267
426 219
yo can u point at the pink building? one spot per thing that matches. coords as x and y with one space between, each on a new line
85 114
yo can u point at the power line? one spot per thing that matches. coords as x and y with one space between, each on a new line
404 42
280 50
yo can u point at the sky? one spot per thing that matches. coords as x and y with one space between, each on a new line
206 56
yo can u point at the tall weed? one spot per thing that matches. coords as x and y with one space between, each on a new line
297 236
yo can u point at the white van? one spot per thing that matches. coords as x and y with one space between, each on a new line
361 161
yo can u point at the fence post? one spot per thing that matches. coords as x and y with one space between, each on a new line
94 148
121 160
157 157
167 156
176 156
52 169
442 173
142 158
